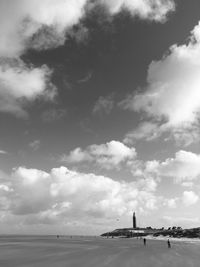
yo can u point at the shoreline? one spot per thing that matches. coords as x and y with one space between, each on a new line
163 238
175 239
82 237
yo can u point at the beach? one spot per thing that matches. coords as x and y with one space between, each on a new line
49 251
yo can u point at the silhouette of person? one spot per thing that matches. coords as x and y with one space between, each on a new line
168 243
144 240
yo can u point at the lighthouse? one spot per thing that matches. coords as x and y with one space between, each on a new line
134 220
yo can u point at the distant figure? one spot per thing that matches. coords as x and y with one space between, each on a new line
144 240
168 243
57 236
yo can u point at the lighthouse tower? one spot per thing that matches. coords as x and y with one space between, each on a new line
134 220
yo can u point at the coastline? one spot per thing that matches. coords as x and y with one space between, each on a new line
175 239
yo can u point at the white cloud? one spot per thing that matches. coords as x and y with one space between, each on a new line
20 84
185 167
172 203
21 20
63 193
77 155
5 188
42 25
146 9
189 198
112 153
31 187
182 220
108 156
147 130
186 134
172 96
174 80
148 169
29 176
188 184
39 25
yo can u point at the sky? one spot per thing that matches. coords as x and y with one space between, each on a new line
99 115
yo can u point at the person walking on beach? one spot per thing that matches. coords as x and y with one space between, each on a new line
168 243
144 240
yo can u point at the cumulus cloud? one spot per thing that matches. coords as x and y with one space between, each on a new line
5 188
189 198
172 203
24 25
42 22
31 187
147 130
185 167
64 193
20 84
156 10
43 25
172 97
108 156
148 169
77 155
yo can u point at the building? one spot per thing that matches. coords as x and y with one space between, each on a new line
136 231
131 232
134 221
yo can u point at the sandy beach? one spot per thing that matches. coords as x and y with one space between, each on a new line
98 252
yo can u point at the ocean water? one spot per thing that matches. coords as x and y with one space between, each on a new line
87 251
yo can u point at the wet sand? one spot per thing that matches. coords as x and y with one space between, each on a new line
95 252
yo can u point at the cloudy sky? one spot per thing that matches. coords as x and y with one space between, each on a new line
99 115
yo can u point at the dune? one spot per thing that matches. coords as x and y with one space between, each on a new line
95 252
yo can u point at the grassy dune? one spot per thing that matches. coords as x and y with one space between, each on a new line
95 252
